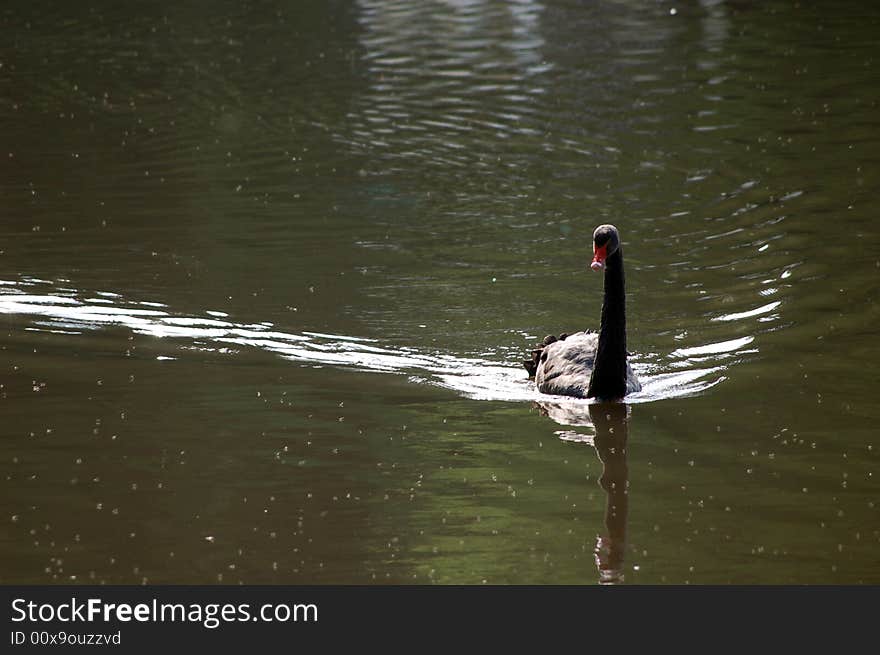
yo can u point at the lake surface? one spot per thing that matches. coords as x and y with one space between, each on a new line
268 271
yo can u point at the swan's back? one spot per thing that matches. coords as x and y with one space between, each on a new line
565 366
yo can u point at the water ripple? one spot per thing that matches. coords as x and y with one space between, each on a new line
73 313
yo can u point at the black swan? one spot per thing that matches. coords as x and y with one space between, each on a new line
586 364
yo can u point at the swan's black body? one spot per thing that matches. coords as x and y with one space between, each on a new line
584 364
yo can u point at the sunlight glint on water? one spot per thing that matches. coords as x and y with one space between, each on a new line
481 379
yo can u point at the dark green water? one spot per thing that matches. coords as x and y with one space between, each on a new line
267 271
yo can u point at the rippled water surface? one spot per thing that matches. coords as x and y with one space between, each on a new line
268 272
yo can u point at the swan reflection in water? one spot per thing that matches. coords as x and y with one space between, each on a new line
611 424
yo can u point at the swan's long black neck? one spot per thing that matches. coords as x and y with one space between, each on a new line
608 380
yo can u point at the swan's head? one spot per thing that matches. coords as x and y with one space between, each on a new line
606 241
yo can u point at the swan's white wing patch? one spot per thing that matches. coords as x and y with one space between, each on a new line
566 366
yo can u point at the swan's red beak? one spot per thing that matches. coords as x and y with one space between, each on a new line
599 255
